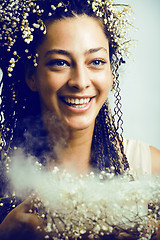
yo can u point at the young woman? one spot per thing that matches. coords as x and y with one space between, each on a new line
59 62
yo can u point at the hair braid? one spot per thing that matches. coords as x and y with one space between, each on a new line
107 146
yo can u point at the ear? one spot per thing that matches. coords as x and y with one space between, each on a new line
30 79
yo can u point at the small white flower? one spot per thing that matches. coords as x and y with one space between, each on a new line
53 7
36 25
59 4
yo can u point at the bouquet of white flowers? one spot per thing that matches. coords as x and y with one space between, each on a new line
91 205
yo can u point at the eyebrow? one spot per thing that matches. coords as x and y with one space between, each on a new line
57 51
93 50
66 53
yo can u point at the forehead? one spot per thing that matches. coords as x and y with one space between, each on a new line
79 32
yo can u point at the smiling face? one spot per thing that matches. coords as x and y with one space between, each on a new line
73 76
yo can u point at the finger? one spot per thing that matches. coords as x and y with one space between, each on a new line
32 226
29 205
37 224
126 236
25 205
28 215
33 220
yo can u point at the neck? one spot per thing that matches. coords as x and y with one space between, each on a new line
77 154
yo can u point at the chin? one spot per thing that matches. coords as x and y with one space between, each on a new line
77 126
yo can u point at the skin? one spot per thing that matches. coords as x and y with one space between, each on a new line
75 66
81 70
20 224
155 157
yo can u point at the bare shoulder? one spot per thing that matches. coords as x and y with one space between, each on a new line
155 158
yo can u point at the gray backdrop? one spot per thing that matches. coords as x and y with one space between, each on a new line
140 80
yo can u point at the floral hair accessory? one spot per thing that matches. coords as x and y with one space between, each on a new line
16 24
118 19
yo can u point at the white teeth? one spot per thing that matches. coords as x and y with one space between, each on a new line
80 106
81 101
77 101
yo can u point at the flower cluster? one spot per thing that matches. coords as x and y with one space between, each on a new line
15 23
87 206
118 19
91 205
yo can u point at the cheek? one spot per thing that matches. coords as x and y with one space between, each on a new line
48 83
108 80
47 89
103 81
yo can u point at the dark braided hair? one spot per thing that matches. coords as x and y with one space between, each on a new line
19 103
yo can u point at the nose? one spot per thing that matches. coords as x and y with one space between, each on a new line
79 78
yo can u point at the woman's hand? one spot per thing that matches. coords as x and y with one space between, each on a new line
126 236
20 224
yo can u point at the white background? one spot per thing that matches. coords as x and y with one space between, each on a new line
140 80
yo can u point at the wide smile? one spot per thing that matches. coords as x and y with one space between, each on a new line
77 102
